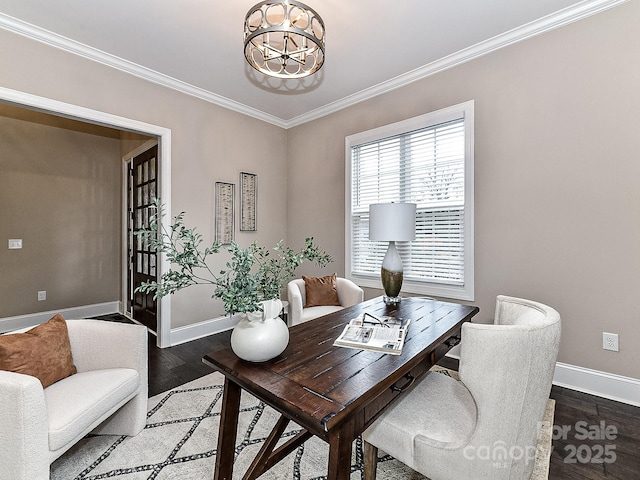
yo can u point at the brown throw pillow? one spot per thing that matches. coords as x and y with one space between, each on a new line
43 352
321 291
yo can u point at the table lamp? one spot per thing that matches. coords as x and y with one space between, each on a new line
392 222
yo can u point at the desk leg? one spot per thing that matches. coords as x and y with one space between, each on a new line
340 444
370 461
227 431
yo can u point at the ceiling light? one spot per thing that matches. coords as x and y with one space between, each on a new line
284 39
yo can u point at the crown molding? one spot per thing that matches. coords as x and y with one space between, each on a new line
551 22
71 46
556 20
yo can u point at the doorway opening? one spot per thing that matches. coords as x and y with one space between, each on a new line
163 186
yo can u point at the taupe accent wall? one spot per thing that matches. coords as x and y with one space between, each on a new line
60 194
556 168
557 177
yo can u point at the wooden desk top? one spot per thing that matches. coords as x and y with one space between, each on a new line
318 385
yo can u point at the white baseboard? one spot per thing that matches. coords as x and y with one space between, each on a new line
603 384
202 329
8 324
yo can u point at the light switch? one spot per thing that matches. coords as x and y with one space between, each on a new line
15 243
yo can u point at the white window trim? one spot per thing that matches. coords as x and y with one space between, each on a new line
465 291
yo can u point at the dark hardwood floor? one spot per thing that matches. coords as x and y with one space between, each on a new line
594 438
173 366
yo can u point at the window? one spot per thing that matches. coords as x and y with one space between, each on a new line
426 160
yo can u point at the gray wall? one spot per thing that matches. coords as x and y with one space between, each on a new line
557 196
60 194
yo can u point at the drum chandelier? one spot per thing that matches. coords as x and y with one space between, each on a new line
284 39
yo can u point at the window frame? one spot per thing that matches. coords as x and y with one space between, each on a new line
464 110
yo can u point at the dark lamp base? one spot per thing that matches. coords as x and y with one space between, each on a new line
391 273
391 282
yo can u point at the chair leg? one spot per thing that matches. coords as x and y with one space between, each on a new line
370 461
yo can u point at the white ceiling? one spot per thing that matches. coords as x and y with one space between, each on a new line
372 45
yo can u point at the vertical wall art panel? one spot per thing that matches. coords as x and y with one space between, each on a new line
248 202
224 212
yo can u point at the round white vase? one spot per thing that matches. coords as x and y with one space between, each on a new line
260 336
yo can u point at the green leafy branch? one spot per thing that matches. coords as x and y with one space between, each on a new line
181 245
251 275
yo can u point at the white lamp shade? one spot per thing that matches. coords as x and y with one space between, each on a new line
392 222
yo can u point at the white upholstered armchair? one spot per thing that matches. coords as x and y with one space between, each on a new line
484 427
348 294
108 395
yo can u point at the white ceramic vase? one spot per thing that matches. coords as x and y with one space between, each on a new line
261 336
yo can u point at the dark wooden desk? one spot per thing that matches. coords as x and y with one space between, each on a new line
331 392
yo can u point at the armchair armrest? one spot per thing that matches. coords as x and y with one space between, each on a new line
348 292
24 433
97 344
295 302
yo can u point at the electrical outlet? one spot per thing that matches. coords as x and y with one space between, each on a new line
42 295
610 341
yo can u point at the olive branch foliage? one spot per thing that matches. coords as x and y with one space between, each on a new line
251 275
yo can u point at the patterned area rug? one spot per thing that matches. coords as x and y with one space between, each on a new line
179 442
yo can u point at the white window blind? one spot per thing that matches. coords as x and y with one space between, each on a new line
425 165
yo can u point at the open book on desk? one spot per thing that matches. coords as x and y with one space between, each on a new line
380 334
